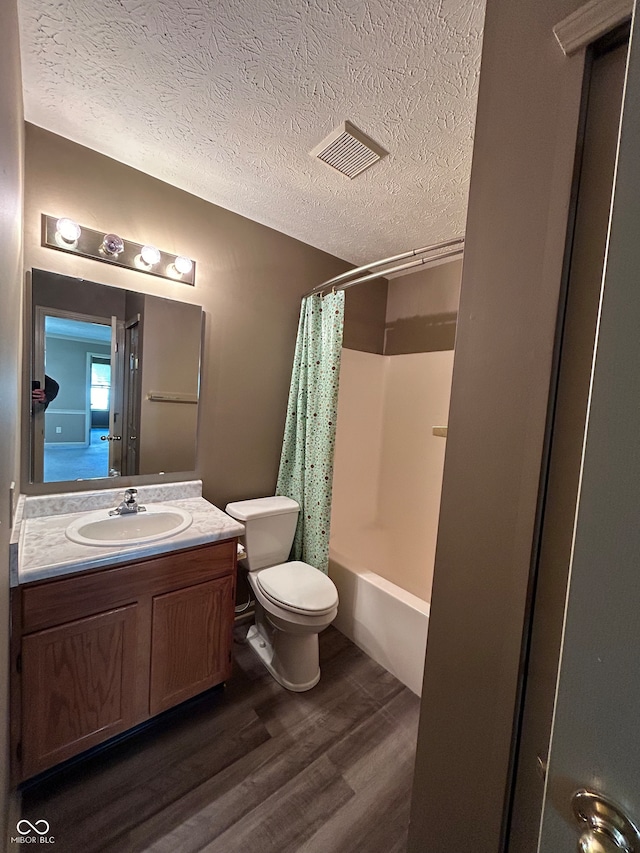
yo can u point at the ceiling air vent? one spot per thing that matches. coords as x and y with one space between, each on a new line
348 150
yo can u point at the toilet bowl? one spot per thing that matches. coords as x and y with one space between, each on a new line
294 601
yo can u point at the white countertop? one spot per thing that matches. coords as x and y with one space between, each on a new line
44 551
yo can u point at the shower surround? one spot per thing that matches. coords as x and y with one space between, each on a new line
386 500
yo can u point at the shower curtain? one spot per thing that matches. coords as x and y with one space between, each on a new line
306 463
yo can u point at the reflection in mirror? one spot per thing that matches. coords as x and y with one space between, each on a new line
114 388
77 394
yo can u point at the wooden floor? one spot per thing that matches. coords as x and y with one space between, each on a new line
251 768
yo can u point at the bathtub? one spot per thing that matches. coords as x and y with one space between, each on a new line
385 621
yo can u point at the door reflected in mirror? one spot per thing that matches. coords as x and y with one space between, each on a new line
114 387
77 403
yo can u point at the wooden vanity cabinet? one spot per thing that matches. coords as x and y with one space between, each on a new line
75 681
97 653
190 642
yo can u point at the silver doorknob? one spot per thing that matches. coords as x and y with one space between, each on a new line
593 842
605 827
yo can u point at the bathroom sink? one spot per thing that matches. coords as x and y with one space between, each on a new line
156 522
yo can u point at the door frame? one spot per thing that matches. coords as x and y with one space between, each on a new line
594 742
37 436
537 622
88 426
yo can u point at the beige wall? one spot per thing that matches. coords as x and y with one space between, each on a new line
520 194
249 282
388 464
11 164
422 309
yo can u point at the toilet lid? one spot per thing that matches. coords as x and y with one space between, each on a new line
299 587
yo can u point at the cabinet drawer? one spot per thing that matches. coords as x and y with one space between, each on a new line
52 602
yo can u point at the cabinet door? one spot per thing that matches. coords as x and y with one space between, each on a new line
191 642
76 686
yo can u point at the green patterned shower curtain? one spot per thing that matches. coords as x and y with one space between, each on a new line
306 463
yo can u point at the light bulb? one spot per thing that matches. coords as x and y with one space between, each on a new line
68 230
150 255
112 245
183 265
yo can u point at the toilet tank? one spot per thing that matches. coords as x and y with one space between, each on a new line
269 528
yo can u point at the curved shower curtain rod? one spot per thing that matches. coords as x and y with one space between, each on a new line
340 282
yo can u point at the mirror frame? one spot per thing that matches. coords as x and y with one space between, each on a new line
30 487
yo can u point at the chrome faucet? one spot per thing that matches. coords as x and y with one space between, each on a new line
128 505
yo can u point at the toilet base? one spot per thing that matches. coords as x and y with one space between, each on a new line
291 659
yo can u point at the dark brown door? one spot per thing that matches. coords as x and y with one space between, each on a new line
191 642
77 686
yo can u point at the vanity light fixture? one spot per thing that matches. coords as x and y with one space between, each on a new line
66 235
112 245
181 266
67 231
150 255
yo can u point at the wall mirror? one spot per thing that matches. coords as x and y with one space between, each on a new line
115 378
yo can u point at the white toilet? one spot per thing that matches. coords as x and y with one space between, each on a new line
294 601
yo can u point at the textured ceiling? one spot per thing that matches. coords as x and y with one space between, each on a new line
225 100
